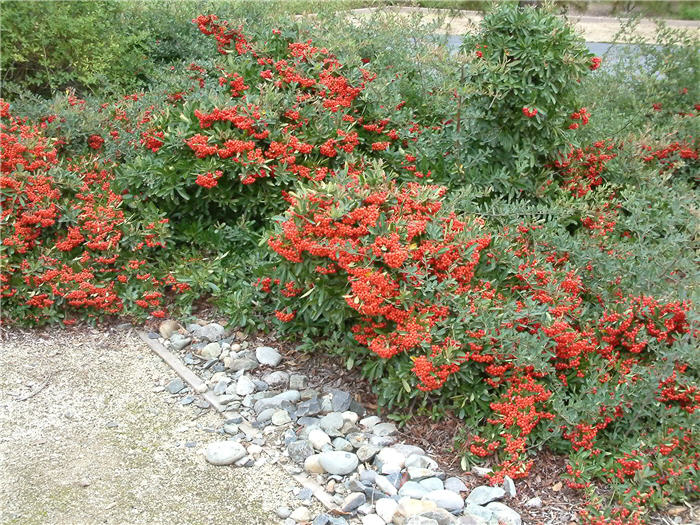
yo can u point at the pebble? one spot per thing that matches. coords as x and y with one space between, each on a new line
312 464
318 438
484 494
384 429
332 422
509 487
410 507
389 460
366 452
412 489
386 486
370 421
280 417
353 500
267 355
178 341
340 463
211 351
534 503
298 381
224 452
290 396
421 461
283 512
342 444
277 378
340 401
310 407
432 484
300 450
481 472
372 519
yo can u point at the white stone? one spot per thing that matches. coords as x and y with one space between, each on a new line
312 464
301 514
245 386
509 487
280 417
370 421
484 494
224 452
386 486
372 519
534 503
267 356
340 463
211 351
350 416
411 507
386 508
389 460
455 485
446 499
504 514
318 438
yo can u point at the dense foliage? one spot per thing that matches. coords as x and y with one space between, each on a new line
446 222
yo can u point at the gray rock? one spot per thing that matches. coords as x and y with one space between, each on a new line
432 484
342 444
340 401
389 460
305 421
224 452
260 385
481 472
439 516
310 407
187 400
421 461
384 429
305 494
455 485
509 487
178 341
283 512
381 441
300 450
267 356
243 363
370 422
484 494
332 422
211 332
504 514
420 520
220 387
357 439
244 386
211 351
227 399
534 503
231 428
385 485
277 379
327 519
353 500
175 386
417 473
413 489
446 499
366 452
340 463
298 381
265 415
290 396
477 511
368 476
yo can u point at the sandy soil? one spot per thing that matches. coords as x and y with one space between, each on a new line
85 438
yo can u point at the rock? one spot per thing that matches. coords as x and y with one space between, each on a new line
410 507
471 520
368 476
446 499
370 422
277 379
421 461
244 386
310 407
484 494
242 363
211 332
509 487
280 417
372 519
318 438
353 500
477 511
178 341
224 452
386 508
211 351
439 516
366 452
381 441
201 388
231 428
332 422
409 450
227 399
389 460
339 463
300 450
283 512
220 387
384 429
413 489
455 485
358 439
265 415
301 514
249 431
267 356
481 472
342 444
417 474
385 485
327 519
305 421
350 417
534 503
432 484
254 450
175 386
312 464
167 328
290 396
340 401
298 381
504 514
260 385
420 520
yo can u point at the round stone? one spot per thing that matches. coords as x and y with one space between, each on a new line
301 514
446 499
318 438
224 452
484 494
455 485
372 519
312 464
340 463
245 386
432 484
280 417
413 489
504 514
267 356
386 508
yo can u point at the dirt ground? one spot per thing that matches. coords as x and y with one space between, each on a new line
85 438
593 28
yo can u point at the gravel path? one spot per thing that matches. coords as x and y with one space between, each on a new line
87 437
